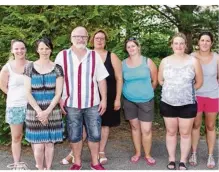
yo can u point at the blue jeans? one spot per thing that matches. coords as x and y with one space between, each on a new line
92 121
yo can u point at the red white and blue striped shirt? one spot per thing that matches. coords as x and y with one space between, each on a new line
81 78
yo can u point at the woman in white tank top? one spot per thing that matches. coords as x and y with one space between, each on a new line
12 84
179 75
207 97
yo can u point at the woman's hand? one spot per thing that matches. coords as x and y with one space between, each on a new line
117 104
43 116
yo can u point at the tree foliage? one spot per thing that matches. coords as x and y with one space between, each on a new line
151 25
191 20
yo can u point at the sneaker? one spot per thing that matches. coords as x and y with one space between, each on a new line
76 167
193 159
211 162
96 167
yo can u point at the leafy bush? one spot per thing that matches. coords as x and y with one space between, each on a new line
150 27
4 127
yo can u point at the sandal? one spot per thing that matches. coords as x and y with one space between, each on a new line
171 163
64 161
182 164
211 162
150 161
135 159
193 159
18 166
102 158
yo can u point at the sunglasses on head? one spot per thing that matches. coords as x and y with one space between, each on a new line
131 39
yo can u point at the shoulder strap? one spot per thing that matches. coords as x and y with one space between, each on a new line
123 62
108 58
9 67
146 60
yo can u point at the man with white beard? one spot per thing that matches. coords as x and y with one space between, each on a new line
84 73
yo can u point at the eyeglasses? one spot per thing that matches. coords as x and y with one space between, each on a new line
99 39
80 36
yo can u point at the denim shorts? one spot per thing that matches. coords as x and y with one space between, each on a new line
15 115
92 120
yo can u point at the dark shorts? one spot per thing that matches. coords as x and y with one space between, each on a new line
186 111
142 111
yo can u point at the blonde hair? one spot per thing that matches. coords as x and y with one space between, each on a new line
181 35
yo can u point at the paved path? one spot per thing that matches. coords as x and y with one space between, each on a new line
118 153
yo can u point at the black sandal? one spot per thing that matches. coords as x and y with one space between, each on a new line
182 164
173 164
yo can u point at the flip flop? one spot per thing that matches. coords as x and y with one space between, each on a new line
135 159
150 161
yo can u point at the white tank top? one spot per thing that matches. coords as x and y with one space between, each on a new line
16 92
178 88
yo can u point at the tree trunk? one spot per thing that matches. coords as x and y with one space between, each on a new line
188 35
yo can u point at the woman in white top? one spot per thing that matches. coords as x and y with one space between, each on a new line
179 75
12 84
207 97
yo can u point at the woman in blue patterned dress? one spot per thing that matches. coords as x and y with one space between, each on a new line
43 84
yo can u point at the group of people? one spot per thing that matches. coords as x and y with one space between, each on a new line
86 85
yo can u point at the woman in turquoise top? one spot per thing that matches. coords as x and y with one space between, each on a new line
140 80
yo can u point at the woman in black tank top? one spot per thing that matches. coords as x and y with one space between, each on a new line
114 88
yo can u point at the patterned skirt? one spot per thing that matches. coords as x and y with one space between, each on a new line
36 132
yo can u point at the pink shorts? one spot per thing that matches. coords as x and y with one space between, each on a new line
206 104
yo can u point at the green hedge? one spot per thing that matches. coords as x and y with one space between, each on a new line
5 137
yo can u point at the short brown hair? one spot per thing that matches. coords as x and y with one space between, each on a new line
179 34
96 32
132 39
